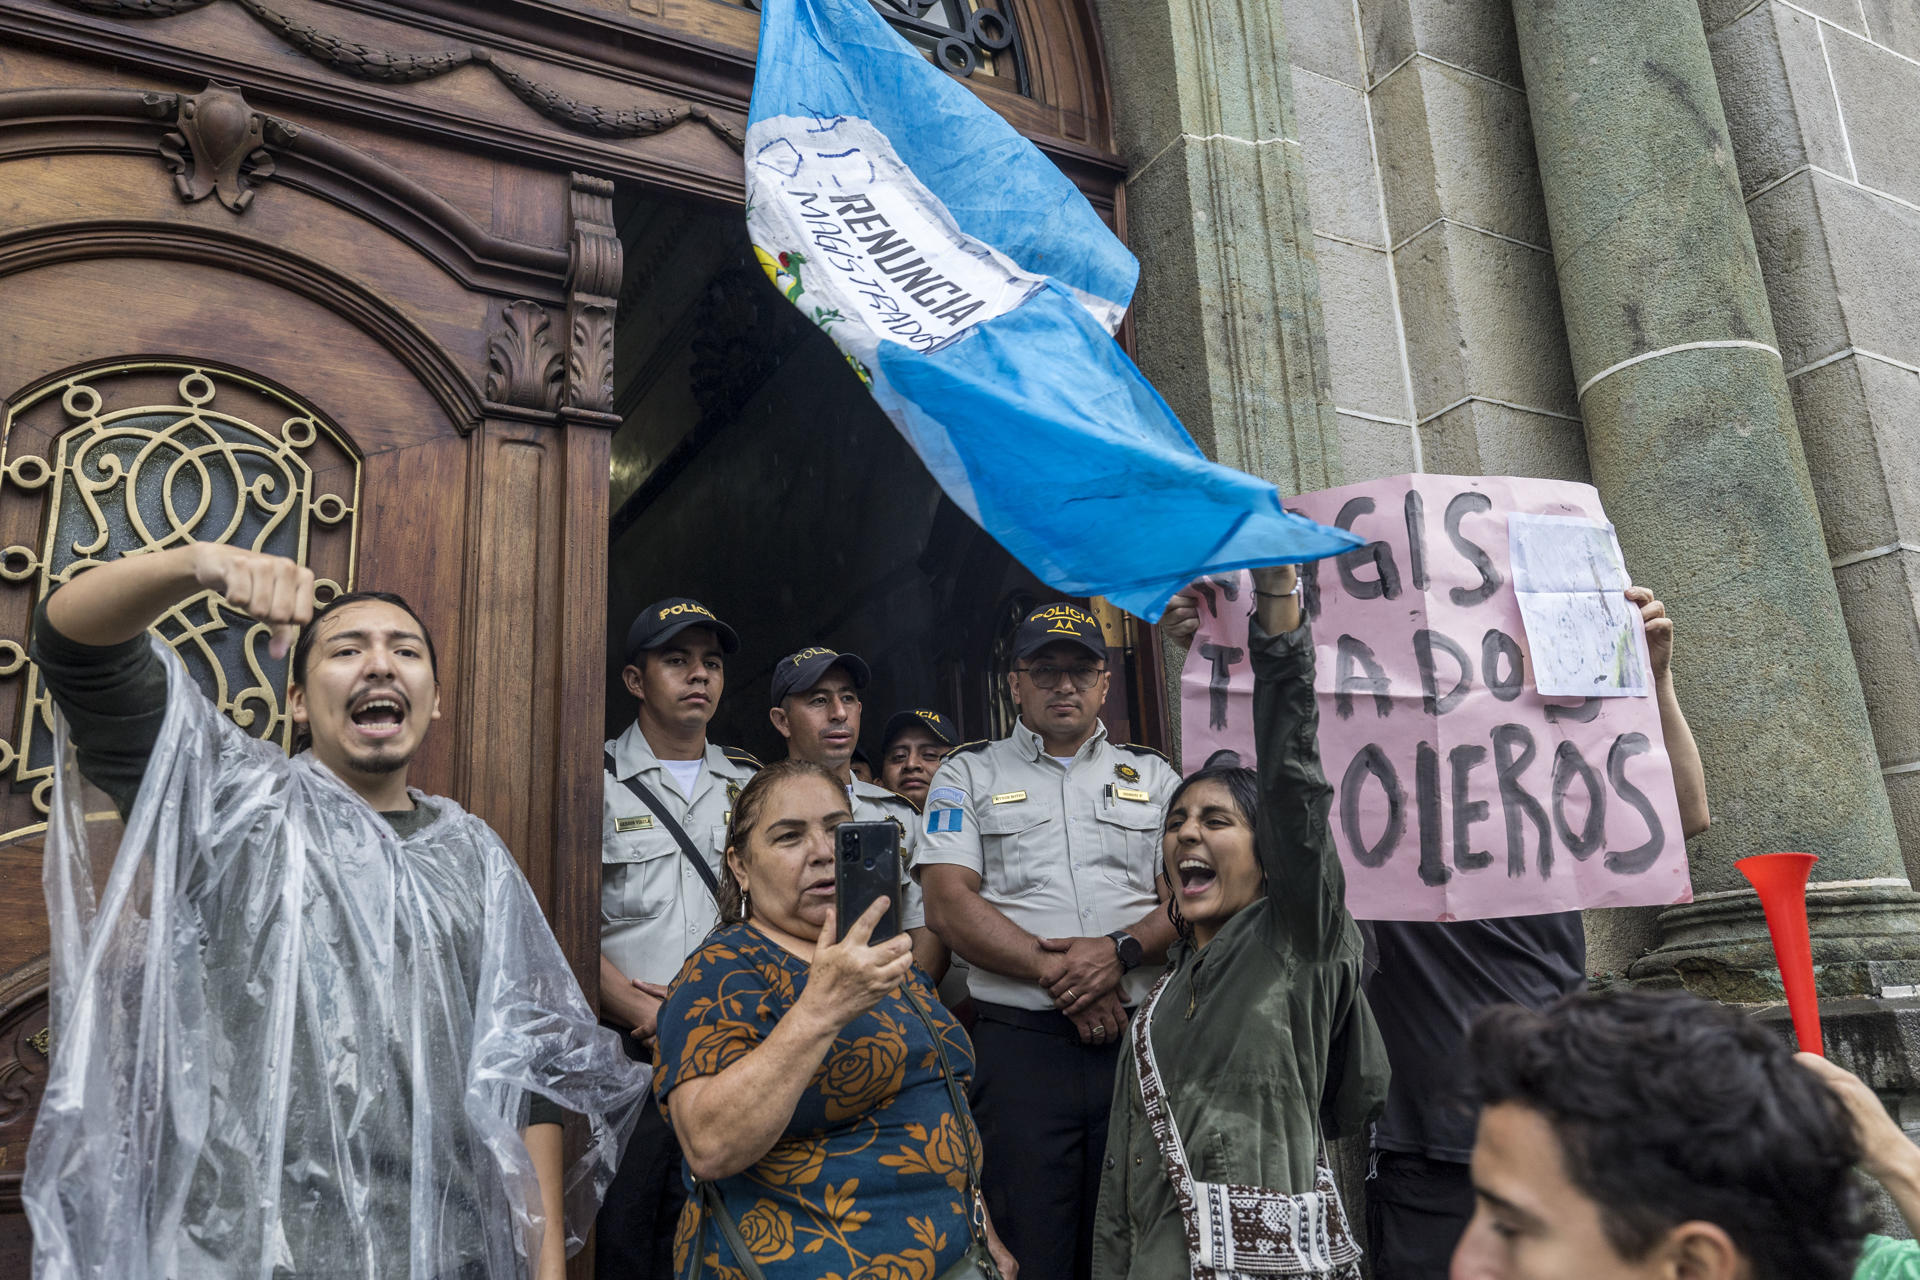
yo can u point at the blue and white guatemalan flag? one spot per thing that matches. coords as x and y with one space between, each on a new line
976 292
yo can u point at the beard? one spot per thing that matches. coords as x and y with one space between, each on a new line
380 760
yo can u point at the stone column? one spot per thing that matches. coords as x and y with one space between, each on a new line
1691 437
1227 315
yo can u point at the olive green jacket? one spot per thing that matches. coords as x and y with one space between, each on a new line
1264 1040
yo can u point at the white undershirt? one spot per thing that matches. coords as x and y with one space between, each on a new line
686 773
1066 762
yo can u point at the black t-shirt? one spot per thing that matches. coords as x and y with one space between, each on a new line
1431 981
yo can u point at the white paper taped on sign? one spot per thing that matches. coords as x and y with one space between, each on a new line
1584 637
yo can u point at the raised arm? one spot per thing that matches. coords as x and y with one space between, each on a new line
87 640
1292 838
114 603
1885 1150
1689 779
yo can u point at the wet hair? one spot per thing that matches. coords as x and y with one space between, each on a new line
303 644
1243 786
1670 1109
746 812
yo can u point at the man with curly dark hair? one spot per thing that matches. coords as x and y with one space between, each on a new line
1632 1135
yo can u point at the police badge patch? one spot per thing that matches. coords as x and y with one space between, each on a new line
1126 773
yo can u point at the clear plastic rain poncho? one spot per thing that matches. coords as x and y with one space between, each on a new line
289 1043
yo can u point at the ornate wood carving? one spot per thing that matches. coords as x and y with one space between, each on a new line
605 122
524 367
138 8
25 1046
218 145
131 121
593 287
361 61
366 62
430 362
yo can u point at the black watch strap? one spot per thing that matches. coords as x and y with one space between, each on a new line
1128 948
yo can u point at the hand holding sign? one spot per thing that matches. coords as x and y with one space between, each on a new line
1182 617
1659 627
1460 791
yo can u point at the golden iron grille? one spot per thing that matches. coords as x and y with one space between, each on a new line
131 478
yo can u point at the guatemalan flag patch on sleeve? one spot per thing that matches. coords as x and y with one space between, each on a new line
945 811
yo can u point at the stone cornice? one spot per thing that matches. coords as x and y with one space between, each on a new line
387 66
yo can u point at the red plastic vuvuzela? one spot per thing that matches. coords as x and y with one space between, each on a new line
1781 880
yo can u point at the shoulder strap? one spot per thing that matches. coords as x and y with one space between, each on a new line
674 829
961 1117
1166 1135
715 1206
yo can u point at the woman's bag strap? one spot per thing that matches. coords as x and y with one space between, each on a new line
1166 1135
714 1205
962 1117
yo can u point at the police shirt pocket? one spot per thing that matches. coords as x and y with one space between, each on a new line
639 876
1014 840
1130 842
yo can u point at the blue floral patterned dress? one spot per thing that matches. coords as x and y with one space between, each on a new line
869 1180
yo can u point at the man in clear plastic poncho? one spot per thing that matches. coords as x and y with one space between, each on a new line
314 1025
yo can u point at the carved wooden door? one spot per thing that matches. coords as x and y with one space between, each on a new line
336 365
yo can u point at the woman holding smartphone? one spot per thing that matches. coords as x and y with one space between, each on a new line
818 1088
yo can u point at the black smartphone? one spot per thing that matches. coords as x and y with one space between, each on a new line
866 858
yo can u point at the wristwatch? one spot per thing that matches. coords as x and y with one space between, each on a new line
1128 948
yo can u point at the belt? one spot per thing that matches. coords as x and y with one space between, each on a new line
1046 1021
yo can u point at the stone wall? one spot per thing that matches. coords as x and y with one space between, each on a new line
1444 329
1425 278
1443 317
1823 105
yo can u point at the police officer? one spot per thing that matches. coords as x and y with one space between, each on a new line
911 747
1039 864
816 708
667 798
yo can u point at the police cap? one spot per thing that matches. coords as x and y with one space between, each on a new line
662 620
1059 622
799 672
932 721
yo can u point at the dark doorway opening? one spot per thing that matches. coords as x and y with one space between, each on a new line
753 471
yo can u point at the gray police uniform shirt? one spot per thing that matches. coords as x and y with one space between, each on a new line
655 910
874 803
1061 852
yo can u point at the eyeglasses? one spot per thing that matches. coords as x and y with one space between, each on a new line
1048 677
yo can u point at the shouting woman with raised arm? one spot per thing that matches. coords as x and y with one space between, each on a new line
1258 1044
817 1087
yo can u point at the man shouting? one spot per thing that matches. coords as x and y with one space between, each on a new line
314 1025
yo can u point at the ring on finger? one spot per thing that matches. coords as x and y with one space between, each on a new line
1100 1031
1068 998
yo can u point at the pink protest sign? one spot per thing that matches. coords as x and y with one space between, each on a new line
1460 792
